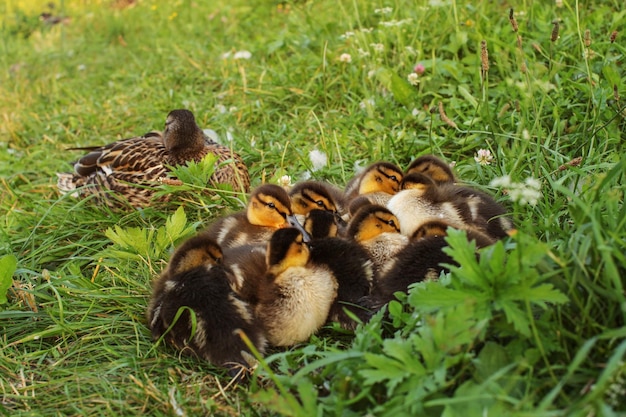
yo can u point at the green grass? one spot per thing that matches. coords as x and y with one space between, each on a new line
537 329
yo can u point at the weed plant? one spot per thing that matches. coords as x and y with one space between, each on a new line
527 102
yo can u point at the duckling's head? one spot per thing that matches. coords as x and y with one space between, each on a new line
432 166
418 181
431 228
200 250
380 177
286 249
311 195
182 135
269 206
320 224
371 221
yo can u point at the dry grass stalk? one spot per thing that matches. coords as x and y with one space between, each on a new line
445 117
555 31
513 21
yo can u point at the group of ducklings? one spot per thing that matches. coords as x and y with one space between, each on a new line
297 258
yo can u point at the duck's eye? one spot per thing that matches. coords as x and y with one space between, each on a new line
271 205
394 178
391 223
319 203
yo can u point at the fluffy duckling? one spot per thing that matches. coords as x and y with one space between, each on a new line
296 295
378 182
130 168
247 267
462 207
420 201
349 263
421 259
377 230
433 167
195 280
268 209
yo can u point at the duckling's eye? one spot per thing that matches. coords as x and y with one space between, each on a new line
393 178
271 205
320 203
391 223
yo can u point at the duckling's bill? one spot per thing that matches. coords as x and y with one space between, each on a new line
293 222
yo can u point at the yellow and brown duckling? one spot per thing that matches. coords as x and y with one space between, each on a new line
422 259
349 263
377 229
196 281
378 182
296 295
421 201
130 169
433 167
268 209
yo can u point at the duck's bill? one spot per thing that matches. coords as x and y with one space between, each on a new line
293 222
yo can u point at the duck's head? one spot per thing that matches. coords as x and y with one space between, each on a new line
200 250
286 249
320 224
431 228
372 220
270 206
311 195
432 166
422 183
380 177
182 134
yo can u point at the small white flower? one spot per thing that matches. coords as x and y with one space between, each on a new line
318 159
226 55
524 193
285 181
504 181
525 134
362 52
347 35
220 108
384 10
81 67
378 47
483 157
232 109
367 103
345 58
367 30
229 136
533 183
242 55
415 112
413 78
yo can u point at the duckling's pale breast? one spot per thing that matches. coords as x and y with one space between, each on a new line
383 248
301 304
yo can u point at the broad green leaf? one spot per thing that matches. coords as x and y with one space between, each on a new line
516 316
8 265
492 357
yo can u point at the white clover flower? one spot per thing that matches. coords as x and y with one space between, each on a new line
413 78
318 159
347 58
483 157
367 30
285 181
220 108
347 35
415 112
526 192
242 55
367 103
363 53
81 67
226 55
384 10
378 47
525 134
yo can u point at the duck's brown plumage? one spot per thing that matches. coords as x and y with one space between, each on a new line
129 169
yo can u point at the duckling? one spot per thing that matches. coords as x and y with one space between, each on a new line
317 195
268 209
195 281
296 295
462 206
421 201
131 168
349 263
421 259
378 182
433 167
377 230
247 267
